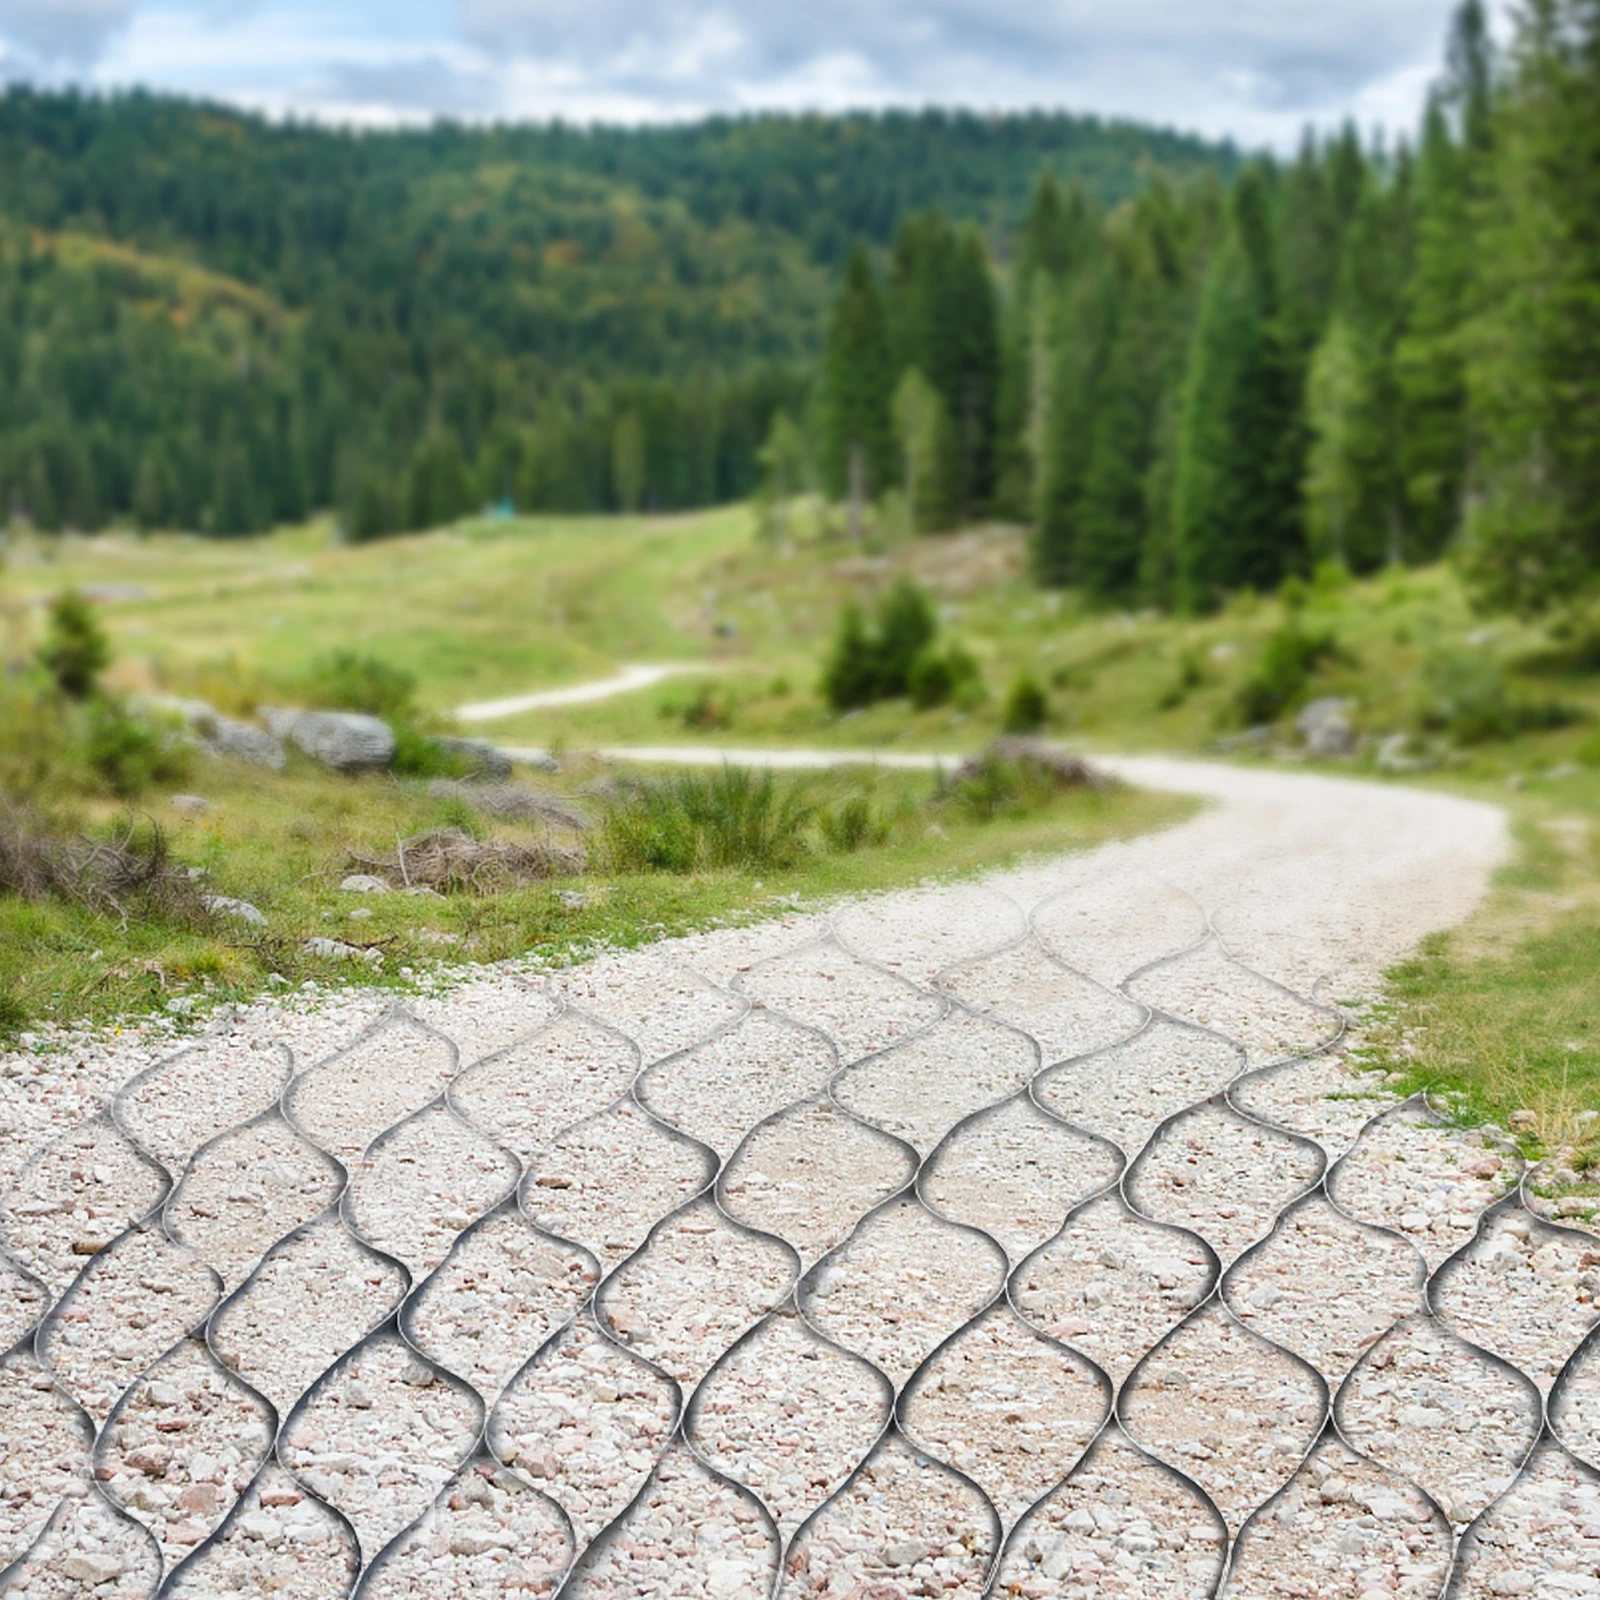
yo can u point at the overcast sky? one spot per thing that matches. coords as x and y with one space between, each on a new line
1256 69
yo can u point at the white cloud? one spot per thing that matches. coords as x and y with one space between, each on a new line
69 33
1258 70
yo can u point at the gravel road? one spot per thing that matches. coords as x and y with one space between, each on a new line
1028 1236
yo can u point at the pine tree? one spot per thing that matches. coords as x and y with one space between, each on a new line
1236 500
1336 403
922 431
1057 228
1533 533
1114 509
856 389
1077 322
1452 168
627 461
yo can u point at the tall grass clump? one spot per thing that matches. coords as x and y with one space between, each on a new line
732 818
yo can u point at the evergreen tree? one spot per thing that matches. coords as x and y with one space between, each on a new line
1337 407
856 389
1236 500
628 461
1430 368
1534 369
1125 437
922 431
1056 229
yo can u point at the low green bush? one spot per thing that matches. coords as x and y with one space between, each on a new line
732 818
347 681
1290 656
938 677
871 663
997 786
1189 677
76 649
128 751
1027 707
1467 695
852 825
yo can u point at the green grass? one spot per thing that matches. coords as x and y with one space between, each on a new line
284 842
1502 1014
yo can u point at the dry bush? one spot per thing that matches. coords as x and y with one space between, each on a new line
446 859
131 868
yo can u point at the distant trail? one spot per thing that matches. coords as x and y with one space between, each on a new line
627 680
709 755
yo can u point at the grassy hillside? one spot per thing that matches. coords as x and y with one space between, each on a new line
487 609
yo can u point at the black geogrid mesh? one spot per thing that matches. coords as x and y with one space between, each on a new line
470 1461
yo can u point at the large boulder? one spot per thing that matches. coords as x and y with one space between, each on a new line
218 735
487 761
347 741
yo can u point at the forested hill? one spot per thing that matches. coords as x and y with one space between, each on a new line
271 202
214 321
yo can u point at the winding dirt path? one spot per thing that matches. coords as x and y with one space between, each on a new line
1025 1236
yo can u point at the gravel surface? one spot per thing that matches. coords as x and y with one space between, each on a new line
1440 1414
1122 1525
873 1254
790 1417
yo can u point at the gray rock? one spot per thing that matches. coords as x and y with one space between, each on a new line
245 743
1394 754
337 948
487 760
218 735
223 905
1324 724
190 805
347 741
363 883
1331 737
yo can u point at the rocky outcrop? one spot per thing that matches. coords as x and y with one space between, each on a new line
347 741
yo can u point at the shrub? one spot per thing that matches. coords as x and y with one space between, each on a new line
851 824
1027 708
75 650
1291 654
997 786
1191 674
868 664
416 755
127 752
1466 694
850 675
37 753
732 818
345 681
938 677
708 711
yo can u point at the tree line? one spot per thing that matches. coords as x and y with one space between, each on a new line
216 322
1360 355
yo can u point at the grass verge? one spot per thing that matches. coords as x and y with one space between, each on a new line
284 843
1501 1015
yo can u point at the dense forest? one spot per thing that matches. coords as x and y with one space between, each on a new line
1363 355
211 321
1188 372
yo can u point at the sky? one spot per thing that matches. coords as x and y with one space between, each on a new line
1255 70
